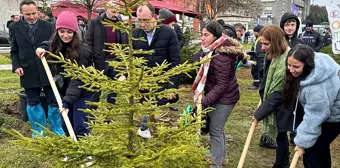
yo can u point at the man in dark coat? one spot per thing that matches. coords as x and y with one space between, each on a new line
26 35
10 21
96 36
169 18
311 37
164 42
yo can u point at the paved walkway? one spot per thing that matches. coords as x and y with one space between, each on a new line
6 67
5 50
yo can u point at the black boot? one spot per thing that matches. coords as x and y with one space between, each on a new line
281 166
254 86
267 143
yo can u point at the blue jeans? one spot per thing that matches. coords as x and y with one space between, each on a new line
218 145
255 73
144 121
79 119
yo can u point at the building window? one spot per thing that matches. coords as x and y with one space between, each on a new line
267 12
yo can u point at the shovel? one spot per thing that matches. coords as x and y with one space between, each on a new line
246 146
58 98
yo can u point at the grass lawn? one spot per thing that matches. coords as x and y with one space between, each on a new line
237 127
247 46
4 59
9 86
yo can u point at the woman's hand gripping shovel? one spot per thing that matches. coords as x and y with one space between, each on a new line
298 153
58 98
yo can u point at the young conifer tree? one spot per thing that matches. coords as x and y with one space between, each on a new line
116 143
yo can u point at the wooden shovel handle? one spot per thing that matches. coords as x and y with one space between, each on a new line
295 160
246 146
58 98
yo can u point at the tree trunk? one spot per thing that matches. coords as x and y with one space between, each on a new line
89 12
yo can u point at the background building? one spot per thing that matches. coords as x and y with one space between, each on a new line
274 9
236 16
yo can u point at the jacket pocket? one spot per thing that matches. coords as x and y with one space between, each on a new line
24 65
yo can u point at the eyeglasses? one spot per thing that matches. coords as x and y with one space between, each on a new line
143 20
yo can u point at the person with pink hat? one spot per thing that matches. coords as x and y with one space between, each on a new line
66 41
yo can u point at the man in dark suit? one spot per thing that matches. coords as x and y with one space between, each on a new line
26 36
163 40
96 37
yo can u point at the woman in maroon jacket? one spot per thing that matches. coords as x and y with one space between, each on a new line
217 81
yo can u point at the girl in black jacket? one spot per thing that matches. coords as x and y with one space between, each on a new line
67 42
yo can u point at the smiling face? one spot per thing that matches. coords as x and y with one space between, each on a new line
295 66
207 38
66 35
290 28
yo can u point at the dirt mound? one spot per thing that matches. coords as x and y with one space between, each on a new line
10 108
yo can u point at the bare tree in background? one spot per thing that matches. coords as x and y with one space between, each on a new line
42 4
211 8
88 4
250 7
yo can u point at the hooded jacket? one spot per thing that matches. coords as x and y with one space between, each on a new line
292 41
221 86
320 97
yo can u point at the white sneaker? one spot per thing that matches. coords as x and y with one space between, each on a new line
87 164
144 134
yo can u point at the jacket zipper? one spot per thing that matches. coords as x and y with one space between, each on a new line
294 112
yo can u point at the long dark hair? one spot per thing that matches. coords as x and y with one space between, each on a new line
304 54
72 51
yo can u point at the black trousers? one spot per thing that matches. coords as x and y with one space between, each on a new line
282 150
33 96
319 155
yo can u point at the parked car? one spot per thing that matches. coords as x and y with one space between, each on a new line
4 39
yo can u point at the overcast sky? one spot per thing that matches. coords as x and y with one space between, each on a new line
322 2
